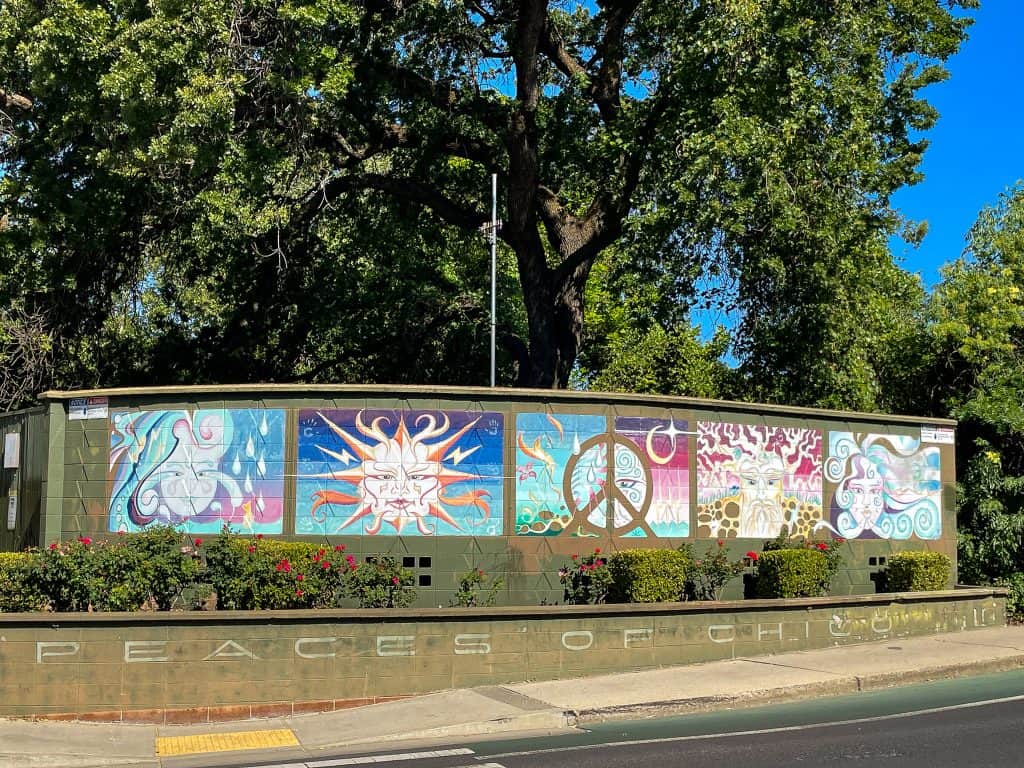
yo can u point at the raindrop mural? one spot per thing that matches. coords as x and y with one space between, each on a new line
197 470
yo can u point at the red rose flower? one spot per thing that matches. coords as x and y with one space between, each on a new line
394 580
53 545
597 551
822 546
325 565
198 542
299 593
251 549
85 540
339 548
752 555
299 577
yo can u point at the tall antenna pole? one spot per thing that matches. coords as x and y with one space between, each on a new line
494 269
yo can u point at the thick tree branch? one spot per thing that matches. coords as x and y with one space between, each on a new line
401 188
10 100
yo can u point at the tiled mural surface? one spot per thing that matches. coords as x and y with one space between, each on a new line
449 472
197 469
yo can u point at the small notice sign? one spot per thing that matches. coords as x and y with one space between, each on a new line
81 408
12 447
941 435
12 512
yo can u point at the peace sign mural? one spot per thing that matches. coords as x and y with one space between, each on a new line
565 483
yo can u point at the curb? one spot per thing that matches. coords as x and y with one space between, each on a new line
836 687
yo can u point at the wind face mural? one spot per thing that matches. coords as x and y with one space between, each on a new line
564 482
752 480
378 472
888 487
197 469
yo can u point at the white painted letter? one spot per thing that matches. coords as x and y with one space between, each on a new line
637 635
763 633
714 629
223 653
472 644
585 634
314 641
144 650
396 645
42 652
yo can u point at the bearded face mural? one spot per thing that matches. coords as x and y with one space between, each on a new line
399 473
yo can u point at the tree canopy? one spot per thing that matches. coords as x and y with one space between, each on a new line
206 169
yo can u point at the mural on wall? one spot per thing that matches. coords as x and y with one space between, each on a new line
652 473
386 472
561 468
887 486
752 480
562 476
198 470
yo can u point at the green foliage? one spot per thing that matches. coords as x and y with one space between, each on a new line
18 590
1014 584
147 570
586 580
647 576
915 571
199 191
254 573
708 575
976 329
796 567
381 583
474 591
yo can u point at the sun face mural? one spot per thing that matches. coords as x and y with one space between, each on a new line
887 486
197 470
752 480
419 473
564 483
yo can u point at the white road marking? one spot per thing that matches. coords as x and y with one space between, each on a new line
783 729
374 759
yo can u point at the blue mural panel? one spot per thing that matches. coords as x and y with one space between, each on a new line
197 470
887 486
408 473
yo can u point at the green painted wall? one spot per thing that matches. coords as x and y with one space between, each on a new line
657 444
173 666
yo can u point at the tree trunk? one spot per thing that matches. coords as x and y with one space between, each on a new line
554 314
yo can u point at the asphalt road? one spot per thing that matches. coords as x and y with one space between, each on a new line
976 722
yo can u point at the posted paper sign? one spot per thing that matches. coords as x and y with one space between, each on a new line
12 448
12 512
941 435
81 408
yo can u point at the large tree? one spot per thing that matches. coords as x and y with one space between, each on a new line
726 135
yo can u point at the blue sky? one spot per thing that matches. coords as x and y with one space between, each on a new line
977 147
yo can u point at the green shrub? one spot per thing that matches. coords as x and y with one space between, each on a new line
647 576
918 571
586 580
380 583
254 573
1014 584
708 575
18 592
473 591
792 573
135 571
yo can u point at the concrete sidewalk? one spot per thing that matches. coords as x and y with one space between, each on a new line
547 706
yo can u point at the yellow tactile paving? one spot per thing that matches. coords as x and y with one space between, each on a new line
224 742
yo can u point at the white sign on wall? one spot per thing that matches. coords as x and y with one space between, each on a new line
81 408
941 435
12 450
12 512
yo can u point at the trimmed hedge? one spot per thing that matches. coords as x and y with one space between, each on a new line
792 573
918 572
648 576
18 592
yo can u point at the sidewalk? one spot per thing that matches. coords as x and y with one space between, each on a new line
546 706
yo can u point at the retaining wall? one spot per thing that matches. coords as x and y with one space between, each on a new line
190 667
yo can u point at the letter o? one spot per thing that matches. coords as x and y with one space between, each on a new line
585 634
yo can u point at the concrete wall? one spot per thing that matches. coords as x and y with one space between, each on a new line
510 481
197 666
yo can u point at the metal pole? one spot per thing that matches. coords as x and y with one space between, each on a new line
494 269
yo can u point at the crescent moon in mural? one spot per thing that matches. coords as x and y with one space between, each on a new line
671 432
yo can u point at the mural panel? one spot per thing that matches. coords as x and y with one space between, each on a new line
652 477
752 480
888 487
198 470
409 473
561 471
